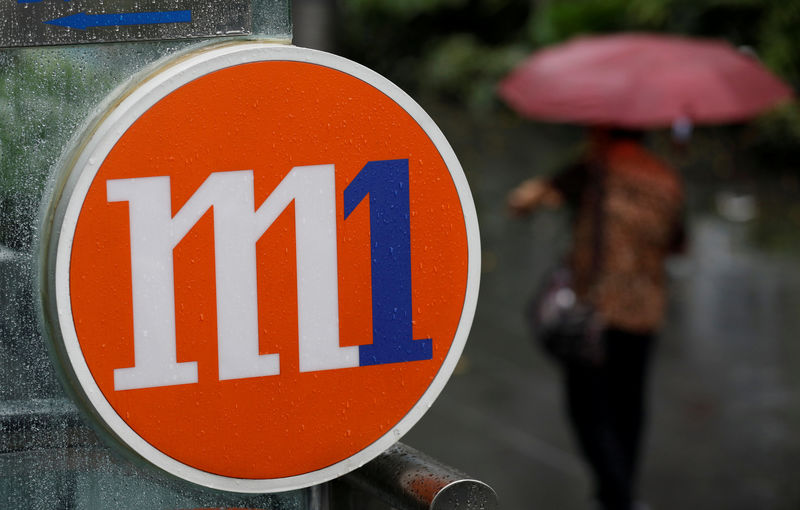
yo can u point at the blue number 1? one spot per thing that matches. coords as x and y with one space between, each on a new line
386 183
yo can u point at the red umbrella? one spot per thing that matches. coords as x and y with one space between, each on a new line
642 81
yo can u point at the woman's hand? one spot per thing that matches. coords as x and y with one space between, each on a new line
530 194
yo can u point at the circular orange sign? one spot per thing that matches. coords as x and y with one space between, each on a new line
265 267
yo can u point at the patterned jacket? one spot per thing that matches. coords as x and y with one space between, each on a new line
628 217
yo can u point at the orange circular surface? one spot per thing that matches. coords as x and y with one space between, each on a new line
268 117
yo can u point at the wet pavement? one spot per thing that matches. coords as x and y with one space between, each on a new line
725 386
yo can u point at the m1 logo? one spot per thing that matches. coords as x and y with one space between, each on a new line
238 225
261 266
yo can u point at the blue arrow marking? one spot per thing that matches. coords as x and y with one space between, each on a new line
82 21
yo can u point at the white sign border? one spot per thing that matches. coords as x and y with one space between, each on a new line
111 128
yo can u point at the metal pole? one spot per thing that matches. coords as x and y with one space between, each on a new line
407 479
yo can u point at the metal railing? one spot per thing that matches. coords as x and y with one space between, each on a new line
406 479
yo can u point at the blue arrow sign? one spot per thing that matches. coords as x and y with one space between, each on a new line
82 21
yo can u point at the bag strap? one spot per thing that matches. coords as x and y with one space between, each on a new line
597 179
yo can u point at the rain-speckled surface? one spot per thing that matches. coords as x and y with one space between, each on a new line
48 459
36 23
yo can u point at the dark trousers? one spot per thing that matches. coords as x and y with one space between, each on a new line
606 405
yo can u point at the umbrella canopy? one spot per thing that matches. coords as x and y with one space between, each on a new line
641 81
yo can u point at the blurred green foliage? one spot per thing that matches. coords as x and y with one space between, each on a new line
406 9
458 47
